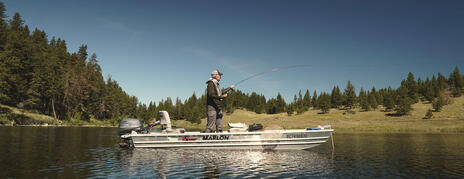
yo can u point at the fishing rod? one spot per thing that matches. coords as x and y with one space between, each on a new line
268 71
300 66
262 73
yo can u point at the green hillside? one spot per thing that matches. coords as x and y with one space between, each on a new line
450 119
13 116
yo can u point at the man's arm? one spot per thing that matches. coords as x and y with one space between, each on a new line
212 91
226 90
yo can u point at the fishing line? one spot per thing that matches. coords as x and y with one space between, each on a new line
328 65
268 71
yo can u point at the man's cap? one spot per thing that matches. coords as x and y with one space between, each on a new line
216 72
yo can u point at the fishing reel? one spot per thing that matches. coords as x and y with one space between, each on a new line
228 90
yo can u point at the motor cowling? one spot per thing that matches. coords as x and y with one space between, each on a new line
128 125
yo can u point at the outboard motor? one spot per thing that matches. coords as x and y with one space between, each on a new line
165 120
126 126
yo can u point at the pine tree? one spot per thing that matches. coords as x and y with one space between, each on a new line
456 82
336 97
271 107
96 88
412 88
2 12
378 96
429 114
307 100
3 27
290 109
403 104
324 102
16 65
435 87
363 100
350 94
438 103
16 24
389 99
314 100
371 99
280 104
178 109
428 90
442 81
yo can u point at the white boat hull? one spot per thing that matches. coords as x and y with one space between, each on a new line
267 140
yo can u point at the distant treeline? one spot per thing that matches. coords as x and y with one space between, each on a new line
41 75
436 90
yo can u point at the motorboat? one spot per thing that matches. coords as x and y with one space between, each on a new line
239 136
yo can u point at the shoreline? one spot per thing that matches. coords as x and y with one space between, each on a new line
336 130
52 125
346 129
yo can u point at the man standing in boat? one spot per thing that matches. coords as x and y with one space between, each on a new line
214 105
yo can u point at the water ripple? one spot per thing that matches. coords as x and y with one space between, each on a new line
70 153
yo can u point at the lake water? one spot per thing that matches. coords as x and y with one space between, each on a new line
76 152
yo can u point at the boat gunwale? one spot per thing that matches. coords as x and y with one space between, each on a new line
229 133
232 140
231 145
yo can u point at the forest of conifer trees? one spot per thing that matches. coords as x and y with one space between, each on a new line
39 74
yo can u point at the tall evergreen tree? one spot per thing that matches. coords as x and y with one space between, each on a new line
442 82
17 22
2 12
350 94
378 96
307 100
435 87
456 82
429 93
336 97
411 84
314 100
3 26
280 102
403 103
363 102
389 99
324 102
16 65
371 99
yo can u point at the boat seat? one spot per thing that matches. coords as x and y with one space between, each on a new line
238 129
175 131
237 125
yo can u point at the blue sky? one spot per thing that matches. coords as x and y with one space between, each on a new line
159 49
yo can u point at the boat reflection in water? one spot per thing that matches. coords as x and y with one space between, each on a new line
232 163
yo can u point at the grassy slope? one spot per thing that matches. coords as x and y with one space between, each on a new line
11 115
14 116
450 119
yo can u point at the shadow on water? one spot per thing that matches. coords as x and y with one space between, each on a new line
73 152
